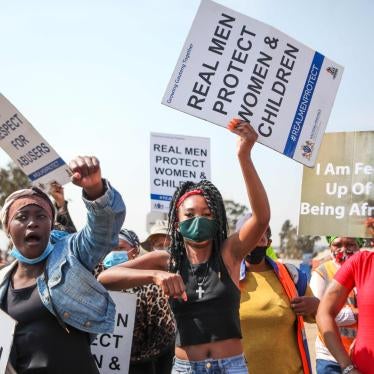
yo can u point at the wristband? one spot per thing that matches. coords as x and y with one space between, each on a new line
348 369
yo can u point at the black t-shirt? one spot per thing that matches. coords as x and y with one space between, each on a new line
40 344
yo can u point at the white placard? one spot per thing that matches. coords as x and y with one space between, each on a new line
7 326
174 160
28 149
232 65
112 351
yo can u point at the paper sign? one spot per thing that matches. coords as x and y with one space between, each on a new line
232 65
7 325
174 160
112 351
338 194
29 150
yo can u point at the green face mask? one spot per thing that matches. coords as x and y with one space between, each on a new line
198 229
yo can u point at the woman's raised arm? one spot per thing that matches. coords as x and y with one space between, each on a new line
240 243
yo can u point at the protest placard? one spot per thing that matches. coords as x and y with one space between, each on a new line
112 351
232 65
7 324
29 150
338 194
174 160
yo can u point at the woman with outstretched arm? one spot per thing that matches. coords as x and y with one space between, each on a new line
200 271
49 290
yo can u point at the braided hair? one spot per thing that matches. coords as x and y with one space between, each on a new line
215 203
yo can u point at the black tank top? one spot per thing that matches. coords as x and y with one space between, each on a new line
211 312
40 345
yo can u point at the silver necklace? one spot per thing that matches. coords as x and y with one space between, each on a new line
199 289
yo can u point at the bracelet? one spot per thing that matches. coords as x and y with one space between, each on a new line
348 369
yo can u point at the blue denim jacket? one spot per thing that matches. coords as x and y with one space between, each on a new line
78 298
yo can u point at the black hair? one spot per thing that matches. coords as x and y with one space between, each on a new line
268 233
215 203
131 237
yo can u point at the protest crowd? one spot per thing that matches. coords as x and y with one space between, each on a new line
207 301
206 298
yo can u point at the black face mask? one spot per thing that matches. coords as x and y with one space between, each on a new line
257 255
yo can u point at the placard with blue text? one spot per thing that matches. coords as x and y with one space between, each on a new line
232 65
29 150
175 159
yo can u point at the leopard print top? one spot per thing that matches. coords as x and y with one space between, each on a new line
154 328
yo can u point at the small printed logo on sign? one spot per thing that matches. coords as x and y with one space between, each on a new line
333 71
307 149
159 206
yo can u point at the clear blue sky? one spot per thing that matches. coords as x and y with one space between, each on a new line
90 76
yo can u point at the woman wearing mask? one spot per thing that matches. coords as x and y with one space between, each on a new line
127 249
49 290
154 329
341 248
200 273
275 301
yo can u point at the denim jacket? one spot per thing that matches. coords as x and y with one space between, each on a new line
78 298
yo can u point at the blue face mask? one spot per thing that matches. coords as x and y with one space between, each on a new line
115 258
32 261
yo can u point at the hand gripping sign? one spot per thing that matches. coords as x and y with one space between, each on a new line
29 150
232 65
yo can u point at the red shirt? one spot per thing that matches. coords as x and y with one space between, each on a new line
358 272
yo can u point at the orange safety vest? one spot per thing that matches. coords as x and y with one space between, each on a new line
327 271
291 291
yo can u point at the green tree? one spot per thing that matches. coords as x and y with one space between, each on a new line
234 211
291 250
292 245
306 244
12 178
284 234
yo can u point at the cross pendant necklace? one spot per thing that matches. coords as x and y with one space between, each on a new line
200 290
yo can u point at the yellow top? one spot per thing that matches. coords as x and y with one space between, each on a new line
268 326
